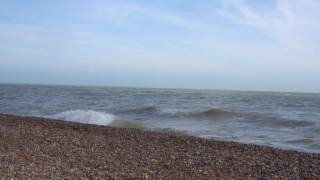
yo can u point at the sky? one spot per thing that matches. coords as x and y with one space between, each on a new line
269 45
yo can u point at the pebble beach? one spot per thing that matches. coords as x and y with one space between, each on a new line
43 148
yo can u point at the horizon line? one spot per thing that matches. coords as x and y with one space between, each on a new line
154 87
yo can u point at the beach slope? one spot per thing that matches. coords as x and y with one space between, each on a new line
42 148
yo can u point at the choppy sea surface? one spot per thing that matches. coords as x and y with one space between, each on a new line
283 120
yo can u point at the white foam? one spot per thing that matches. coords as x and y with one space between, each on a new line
86 117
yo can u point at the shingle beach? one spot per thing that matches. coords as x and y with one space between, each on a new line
41 148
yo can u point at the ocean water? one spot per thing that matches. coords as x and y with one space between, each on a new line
284 120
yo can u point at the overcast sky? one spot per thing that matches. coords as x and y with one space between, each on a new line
218 44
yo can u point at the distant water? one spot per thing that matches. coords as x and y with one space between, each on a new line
285 120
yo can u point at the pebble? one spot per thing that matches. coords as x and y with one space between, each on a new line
46 149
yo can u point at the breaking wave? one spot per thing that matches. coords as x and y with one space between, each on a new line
94 117
85 117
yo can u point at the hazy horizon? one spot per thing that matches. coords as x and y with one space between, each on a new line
225 44
160 88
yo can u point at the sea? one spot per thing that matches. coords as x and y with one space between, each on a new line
277 119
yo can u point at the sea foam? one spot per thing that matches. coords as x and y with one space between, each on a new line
85 117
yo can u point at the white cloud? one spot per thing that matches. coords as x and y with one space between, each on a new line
293 24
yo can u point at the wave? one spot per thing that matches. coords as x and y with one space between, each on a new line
95 117
141 110
270 120
301 141
155 110
214 114
249 117
85 117
285 122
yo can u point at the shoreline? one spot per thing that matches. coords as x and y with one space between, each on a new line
44 148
